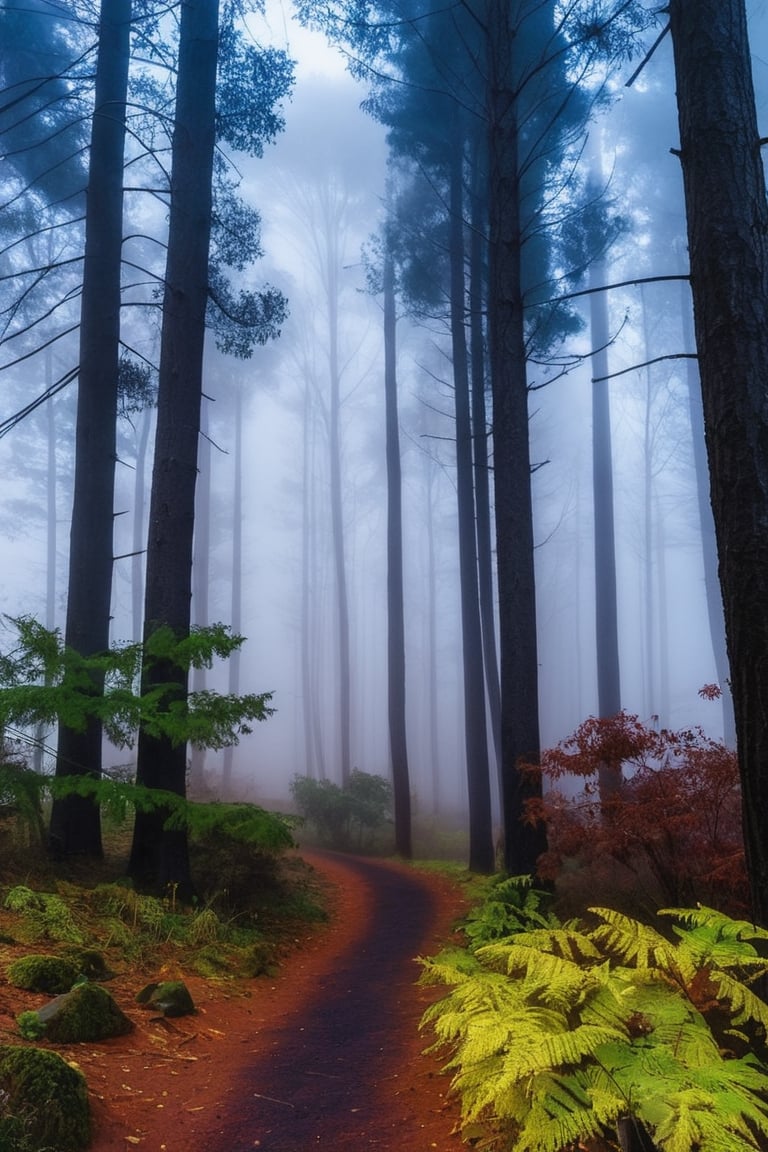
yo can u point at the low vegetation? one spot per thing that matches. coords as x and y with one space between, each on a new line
584 1014
62 926
352 816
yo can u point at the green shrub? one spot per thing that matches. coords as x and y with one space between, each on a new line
344 817
561 1033
30 1026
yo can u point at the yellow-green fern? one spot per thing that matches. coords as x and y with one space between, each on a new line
556 1034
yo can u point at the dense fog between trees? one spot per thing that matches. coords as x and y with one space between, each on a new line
264 520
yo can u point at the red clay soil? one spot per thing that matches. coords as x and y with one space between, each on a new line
326 1055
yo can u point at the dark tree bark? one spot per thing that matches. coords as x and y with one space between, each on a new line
398 743
159 857
139 528
75 824
481 849
511 454
727 217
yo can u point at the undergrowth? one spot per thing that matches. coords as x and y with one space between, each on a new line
560 1033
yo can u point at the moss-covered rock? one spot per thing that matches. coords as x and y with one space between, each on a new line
40 973
171 997
43 1102
88 1012
89 963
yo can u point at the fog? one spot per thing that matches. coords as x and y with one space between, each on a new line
320 190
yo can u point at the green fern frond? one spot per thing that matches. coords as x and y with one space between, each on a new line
562 1050
713 939
635 943
744 1004
566 941
451 966
714 1115
565 1109
556 980
725 927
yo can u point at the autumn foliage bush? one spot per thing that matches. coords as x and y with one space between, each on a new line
670 821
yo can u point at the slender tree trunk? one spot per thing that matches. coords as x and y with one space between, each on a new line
337 504
139 528
398 742
236 602
431 639
201 580
606 612
307 679
159 857
651 705
75 825
51 538
511 455
727 215
481 850
481 459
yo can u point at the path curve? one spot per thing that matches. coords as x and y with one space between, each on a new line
342 1067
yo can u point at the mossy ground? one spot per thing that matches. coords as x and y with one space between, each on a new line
83 918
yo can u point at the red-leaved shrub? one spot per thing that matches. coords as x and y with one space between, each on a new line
672 815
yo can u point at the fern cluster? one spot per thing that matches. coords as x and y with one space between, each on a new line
559 1033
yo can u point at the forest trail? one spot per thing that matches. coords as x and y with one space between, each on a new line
324 1055
342 1069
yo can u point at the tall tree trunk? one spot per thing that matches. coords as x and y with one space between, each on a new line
314 753
75 825
236 601
727 216
707 531
511 454
606 612
159 856
481 456
337 506
481 850
431 638
201 580
651 704
139 528
51 540
398 743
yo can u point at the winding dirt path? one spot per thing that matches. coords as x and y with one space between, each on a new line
342 1069
327 1055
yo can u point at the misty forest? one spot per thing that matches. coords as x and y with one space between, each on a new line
384 444
384 397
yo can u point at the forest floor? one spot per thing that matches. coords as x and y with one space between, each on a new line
325 1054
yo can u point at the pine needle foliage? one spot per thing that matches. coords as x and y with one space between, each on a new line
42 682
556 1033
